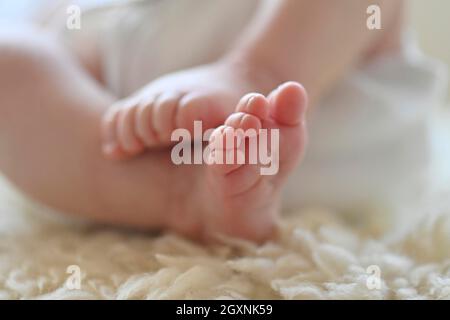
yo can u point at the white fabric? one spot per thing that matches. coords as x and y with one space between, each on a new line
370 137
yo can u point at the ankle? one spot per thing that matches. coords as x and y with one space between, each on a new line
261 76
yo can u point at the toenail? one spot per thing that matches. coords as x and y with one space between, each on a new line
243 118
249 102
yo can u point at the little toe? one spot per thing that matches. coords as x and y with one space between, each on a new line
111 148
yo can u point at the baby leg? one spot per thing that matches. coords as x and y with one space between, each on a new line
50 111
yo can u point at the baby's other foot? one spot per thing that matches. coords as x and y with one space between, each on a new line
148 118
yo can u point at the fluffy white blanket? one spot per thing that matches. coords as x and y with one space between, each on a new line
318 255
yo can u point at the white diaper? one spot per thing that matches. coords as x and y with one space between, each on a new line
368 139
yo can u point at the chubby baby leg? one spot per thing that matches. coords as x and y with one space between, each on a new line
50 111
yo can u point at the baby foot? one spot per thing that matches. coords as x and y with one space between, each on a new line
239 200
148 118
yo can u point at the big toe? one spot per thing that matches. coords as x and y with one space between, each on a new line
205 107
288 104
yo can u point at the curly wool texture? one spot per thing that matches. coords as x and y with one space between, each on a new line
317 255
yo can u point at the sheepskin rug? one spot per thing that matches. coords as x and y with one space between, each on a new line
317 255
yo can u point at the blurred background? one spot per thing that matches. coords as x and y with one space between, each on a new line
430 20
